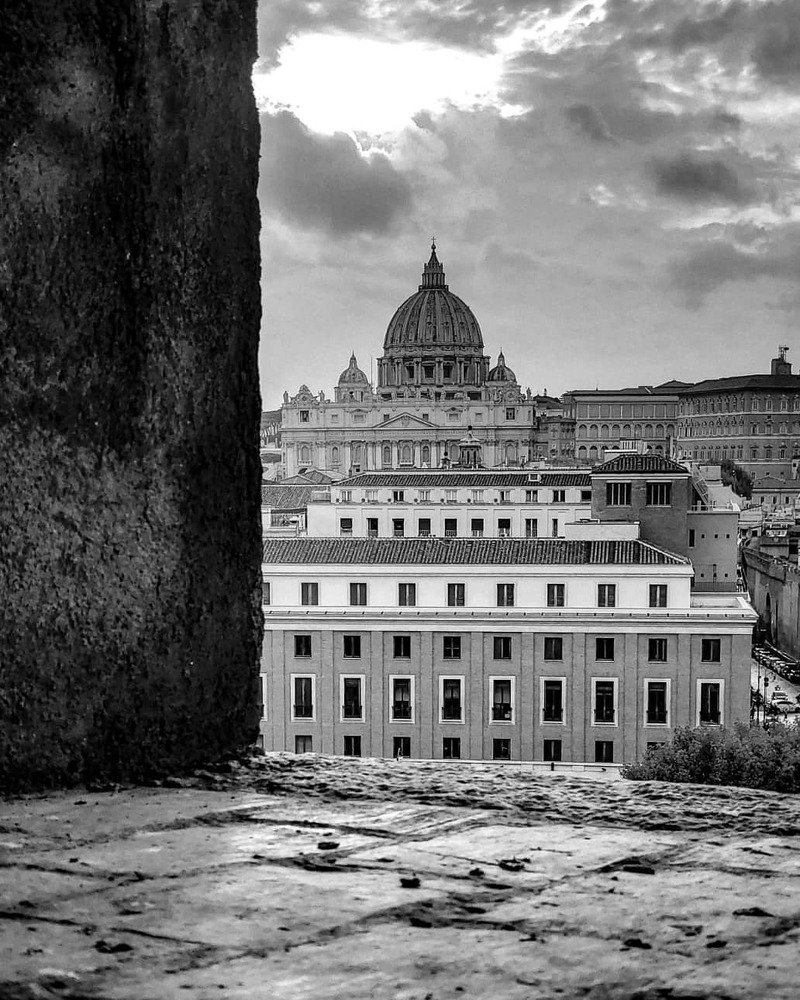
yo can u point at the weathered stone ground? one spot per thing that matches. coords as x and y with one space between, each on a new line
308 877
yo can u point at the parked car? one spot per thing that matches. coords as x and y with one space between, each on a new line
783 704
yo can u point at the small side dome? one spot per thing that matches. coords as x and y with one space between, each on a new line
352 375
501 373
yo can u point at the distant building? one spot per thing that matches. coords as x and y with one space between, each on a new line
753 420
578 650
434 382
603 418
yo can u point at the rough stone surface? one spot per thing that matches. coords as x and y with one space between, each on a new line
129 405
566 886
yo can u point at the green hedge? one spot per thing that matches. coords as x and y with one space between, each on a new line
752 758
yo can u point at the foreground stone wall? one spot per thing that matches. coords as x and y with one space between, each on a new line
129 406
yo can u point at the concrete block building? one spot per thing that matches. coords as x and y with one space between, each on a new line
573 650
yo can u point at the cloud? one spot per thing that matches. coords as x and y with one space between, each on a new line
691 32
777 52
693 179
712 265
324 182
588 120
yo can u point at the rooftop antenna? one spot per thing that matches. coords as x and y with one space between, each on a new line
782 349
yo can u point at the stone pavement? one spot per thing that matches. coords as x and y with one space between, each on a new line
287 878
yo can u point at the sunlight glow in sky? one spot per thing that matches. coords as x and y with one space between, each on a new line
342 83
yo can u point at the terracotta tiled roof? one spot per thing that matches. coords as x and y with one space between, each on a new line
789 383
639 463
280 497
466 551
466 479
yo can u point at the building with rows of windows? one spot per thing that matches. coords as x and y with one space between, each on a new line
434 382
752 419
580 649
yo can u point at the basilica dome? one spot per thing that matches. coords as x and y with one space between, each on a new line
433 320
501 372
352 375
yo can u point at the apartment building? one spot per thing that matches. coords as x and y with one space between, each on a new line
455 504
574 650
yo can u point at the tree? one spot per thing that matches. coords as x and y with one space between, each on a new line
735 476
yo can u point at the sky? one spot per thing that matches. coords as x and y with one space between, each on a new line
614 185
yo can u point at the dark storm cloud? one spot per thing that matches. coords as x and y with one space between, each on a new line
588 120
777 52
695 179
324 182
713 265
692 32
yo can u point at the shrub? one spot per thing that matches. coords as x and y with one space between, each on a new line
751 758
735 476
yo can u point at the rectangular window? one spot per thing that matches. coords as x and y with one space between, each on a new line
531 496
552 750
502 705
618 494
450 699
657 698
451 748
407 595
604 701
691 538
451 496
555 595
401 746
352 746
658 595
604 648
606 595
511 413
401 699
398 496
476 526
559 496
552 701
302 645
402 647
347 496
710 651
455 595
303 744
304 416
501 749
303 691
504 496
531 527
553 647
358 594
371 496
710 703
372 527
424 529
586 496
502 647
604 751
266 592
309 594
424 496
345 526
658 494
505 595
657 650
554 532
504 527
398 527
351 646
477 496
451 647
450 527
352 707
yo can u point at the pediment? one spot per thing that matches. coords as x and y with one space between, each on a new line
406 420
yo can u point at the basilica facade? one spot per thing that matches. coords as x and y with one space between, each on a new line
436 395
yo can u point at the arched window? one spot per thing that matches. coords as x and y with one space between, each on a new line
335 455
405 454
637 430
768 453
582 453
581 430
511 451
593 432
387 456
604 432
626 430
659 450
593 453
659 430
615 432
426 454
356 454
670 428
304 455
648 430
